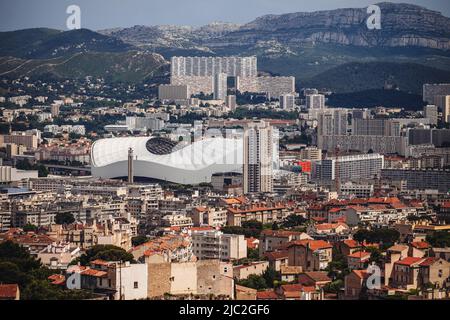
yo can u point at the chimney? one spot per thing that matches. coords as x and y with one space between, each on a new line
130 166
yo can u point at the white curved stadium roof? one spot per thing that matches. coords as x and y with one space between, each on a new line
186 164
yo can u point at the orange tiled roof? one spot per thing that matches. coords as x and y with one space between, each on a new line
409 261
94 273
428 261
360 254
421 245
266 295
100 262
312 244
276 255
8 290
318 276
57 279
361 273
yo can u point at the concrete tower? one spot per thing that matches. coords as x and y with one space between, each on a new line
130 166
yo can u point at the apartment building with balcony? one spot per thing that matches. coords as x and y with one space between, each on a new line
212 244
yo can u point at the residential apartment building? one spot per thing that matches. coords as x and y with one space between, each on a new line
348 168
212 244
258 155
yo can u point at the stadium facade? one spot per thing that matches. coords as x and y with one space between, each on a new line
166 160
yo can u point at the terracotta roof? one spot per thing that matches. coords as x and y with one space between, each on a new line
275 255
428 261
8 291
421 245
291 287
361 273
266 295
409 261
252 242
329 226
317 276
312 244
94 273
100 262
308 288
57 279
351 243
360 254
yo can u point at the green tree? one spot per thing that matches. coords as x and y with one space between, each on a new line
105 252
18 266
253 254
254 281
64 218
29 228
439 239
270 276
385 236
135 241
334 287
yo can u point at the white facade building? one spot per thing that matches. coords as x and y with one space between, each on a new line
217 245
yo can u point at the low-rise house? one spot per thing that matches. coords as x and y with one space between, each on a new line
290 273
349 246
419 249
329 231
271 240
413 273
244 271
34 242
358 260
277 259
318 279
393 254
298 292
117 280
168 248
355 284
311 255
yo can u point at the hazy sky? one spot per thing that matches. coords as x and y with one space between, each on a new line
100 14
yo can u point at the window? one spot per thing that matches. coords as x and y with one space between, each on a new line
440 273
136 285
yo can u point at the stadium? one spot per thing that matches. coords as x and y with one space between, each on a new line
166 160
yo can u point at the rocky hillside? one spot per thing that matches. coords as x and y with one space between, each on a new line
402 25
170 36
